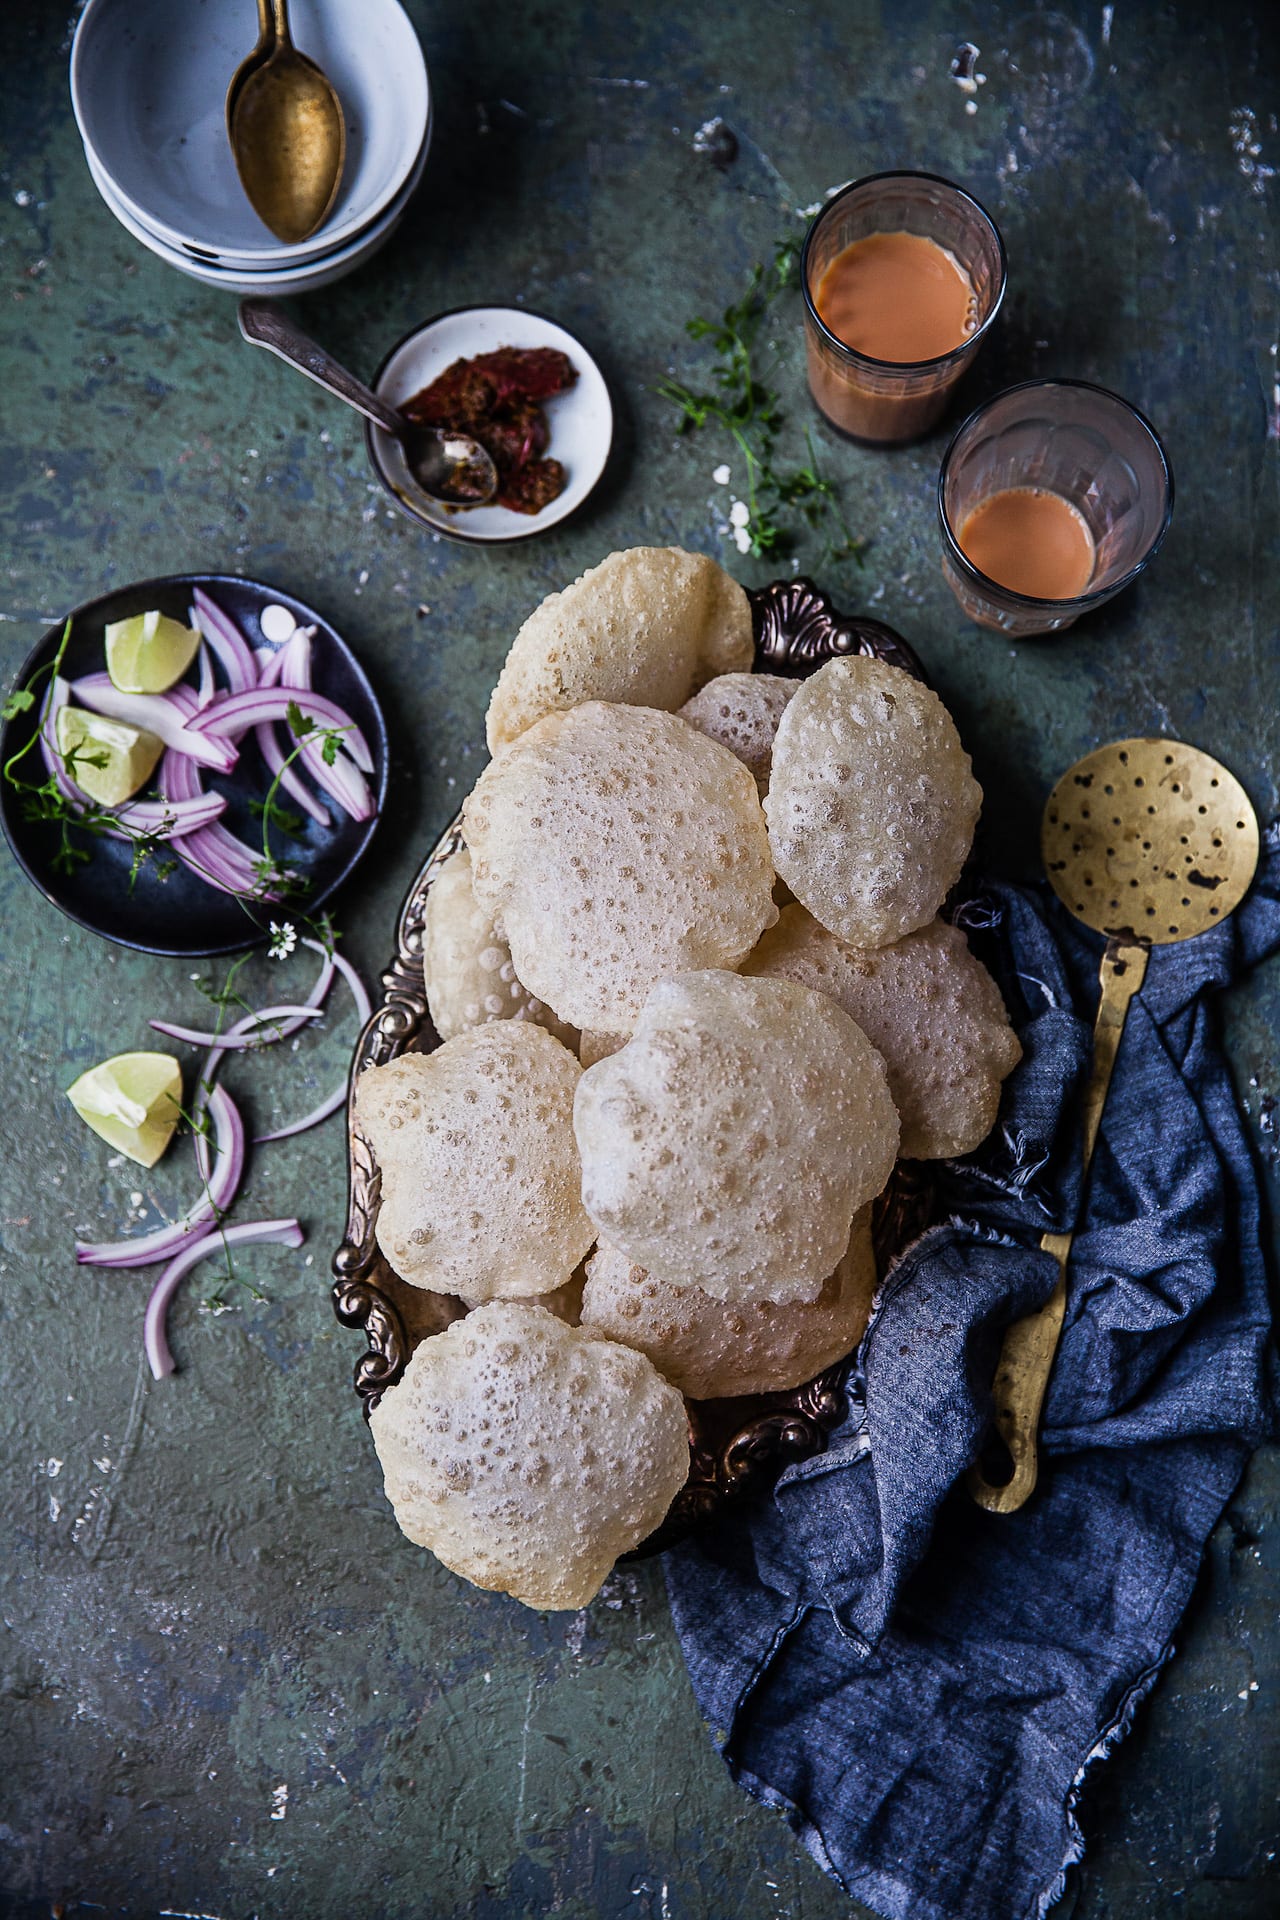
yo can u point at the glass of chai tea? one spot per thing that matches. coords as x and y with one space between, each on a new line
903 273
1052 497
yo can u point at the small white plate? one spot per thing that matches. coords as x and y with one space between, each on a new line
581 420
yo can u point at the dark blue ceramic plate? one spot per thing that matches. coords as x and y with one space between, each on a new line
180 914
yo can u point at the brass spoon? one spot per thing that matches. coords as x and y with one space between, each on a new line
287 131
1149 842
449 467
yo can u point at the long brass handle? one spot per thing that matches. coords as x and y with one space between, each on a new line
1026 1358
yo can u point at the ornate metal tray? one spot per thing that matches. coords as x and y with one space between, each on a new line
735 1445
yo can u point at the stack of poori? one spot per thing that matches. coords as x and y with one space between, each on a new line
645 1153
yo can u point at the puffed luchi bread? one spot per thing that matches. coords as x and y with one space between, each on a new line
617 846
481 1190
735 1136
527 1454
931 1010
645 628
466 963
872 802
742 711
712 1348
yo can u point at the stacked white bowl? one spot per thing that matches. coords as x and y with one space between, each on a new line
148 85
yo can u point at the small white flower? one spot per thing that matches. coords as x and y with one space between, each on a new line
739 514
284 938
721 476
742 539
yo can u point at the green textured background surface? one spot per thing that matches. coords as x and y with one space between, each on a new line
206 1601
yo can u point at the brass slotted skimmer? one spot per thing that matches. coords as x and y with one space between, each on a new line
1148 842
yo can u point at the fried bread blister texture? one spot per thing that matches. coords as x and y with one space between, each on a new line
742 711
735 1136
872 802
467 967
647 628
930 1009
617 847
481 1190
528 1454
712 1348
730 1128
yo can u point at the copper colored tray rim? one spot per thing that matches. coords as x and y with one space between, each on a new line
735 1445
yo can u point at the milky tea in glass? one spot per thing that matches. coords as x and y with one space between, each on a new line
1052 497
903 273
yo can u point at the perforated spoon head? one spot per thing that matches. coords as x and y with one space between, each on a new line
1149 841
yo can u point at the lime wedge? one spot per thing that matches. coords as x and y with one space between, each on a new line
133 1102
150 653
107 759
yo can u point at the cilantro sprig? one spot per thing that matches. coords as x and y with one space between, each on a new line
745 407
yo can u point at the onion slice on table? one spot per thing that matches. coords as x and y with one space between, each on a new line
241 1037
252 1233
290 1024
221 1187
332 1101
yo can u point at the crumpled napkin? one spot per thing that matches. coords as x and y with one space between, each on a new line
920 1685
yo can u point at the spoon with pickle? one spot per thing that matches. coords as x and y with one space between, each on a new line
449 467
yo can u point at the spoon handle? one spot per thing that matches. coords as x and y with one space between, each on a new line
280 9
1026 1358
264 324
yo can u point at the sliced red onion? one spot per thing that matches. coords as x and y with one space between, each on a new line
212 852
186 699
139 819
162 714
339 778
227 641
57 697
251 1233
165 819
213 1059
334 1100
270 660
233 715
208 686
242 1037
330 1104
221 1187
278 764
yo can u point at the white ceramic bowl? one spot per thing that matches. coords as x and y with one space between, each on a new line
148 86
321 272
581 420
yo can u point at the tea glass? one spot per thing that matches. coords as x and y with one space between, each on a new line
885 402
1084 444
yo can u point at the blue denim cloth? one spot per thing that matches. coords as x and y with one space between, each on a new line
917 1684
